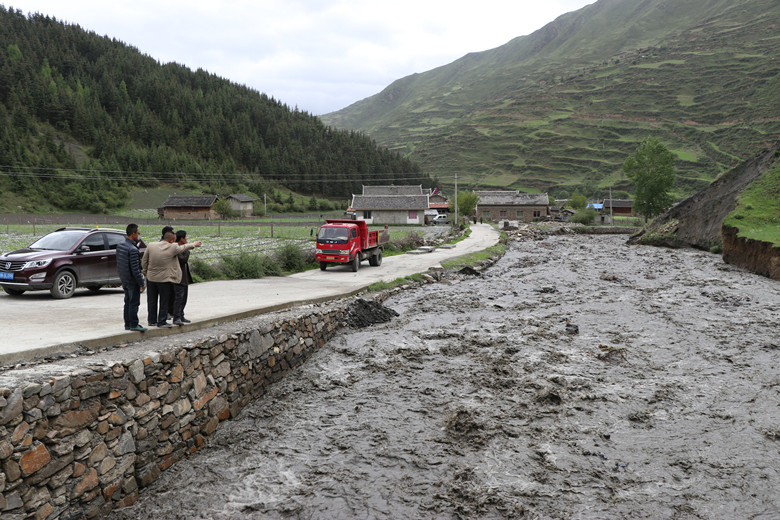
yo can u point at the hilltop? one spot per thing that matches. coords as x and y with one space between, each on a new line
84 119
561 109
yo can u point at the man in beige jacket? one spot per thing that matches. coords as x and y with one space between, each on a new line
160 265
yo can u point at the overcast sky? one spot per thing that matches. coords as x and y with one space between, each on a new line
317 55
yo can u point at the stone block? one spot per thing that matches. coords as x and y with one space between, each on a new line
34 459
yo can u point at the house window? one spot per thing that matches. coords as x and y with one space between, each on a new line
367 214
486 214
413 215
537 213
519 214
502 213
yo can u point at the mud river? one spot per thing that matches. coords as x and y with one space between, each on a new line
576 378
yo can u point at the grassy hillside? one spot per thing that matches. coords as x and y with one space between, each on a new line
757 214
561 109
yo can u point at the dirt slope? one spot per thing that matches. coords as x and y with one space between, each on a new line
696 222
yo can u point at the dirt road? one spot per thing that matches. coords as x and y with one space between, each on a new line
577 378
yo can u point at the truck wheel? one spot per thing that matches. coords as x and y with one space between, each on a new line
323 266
356 263
375 260
64 285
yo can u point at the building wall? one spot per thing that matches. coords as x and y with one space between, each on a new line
244 208
78 443
523 213
396 217
189 213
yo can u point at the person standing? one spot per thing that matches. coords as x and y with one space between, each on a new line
160 266
181 289
128 266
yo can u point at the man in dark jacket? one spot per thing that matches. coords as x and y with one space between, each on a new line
181 289
128 266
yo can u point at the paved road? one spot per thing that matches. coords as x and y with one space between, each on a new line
35 324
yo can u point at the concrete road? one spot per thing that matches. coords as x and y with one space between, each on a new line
34 324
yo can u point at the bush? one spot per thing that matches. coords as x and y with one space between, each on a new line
243 266
291 257
585 217
202 270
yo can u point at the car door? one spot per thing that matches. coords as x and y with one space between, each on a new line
113 240
91 258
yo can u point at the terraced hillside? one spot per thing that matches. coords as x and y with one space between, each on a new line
561 109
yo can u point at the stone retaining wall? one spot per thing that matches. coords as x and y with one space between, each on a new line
78 443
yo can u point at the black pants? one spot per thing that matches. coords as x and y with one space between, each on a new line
132 302
163 291
180 300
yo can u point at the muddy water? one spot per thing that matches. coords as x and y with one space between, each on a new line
577 378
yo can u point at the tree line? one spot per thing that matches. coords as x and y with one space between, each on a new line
84 117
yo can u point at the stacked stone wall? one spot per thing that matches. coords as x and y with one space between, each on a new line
80 443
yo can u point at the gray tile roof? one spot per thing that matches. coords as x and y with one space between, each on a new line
190 201
618 203
512 198
390 202
393 190
242 198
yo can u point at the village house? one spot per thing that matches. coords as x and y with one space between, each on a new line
620 207
391 205
192 207
493 206
243 204
438 202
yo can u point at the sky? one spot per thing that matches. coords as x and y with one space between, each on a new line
314 55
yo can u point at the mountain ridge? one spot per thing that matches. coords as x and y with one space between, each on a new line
579 82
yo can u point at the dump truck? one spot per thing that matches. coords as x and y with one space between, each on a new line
348 242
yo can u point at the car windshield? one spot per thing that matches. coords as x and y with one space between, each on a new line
58 241
333 235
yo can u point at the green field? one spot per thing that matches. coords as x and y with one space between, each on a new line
757 214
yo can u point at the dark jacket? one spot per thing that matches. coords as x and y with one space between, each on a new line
186 276
128 263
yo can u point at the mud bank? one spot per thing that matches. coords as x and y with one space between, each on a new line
577 378
757 256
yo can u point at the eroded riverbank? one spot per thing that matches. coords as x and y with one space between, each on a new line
577 378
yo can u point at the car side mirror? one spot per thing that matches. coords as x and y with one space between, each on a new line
83 249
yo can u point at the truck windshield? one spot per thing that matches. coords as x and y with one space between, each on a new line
333 235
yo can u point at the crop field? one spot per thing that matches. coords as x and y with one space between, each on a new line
218 240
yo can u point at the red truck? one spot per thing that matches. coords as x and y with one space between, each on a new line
349 242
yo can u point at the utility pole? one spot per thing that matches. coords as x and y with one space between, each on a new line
457 217
611 217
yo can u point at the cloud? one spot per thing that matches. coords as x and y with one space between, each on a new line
318 55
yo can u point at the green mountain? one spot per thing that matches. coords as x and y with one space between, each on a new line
562 108
85 118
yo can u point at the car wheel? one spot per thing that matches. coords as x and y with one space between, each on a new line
13 292
64 285
323 266
356 263
94 288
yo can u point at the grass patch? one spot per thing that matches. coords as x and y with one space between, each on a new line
757 214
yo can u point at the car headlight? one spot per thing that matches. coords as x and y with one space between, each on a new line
36 264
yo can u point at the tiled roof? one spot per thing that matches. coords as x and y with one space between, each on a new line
390 202
618 203
242 198
393 190
511 198
190 201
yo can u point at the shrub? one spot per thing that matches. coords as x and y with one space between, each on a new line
202 270
411 241
291 257
585 217
242 266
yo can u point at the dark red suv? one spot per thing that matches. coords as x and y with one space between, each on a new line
62 261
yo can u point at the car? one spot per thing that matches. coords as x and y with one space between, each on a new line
441 219
63 260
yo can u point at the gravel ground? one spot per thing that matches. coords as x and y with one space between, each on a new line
576 378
